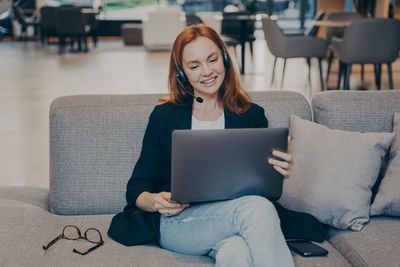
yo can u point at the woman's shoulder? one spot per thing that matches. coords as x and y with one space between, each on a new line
168 111
256 114
167 107
255 109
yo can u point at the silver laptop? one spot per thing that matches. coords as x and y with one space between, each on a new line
212 165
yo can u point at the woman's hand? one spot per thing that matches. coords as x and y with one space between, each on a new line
162 204
283 162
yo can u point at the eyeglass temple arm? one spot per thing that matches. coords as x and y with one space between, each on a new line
89 250
52 242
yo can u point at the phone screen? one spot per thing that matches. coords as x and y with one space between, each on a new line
307 248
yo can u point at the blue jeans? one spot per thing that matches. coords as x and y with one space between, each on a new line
240 232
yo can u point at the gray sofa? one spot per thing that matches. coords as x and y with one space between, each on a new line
94 143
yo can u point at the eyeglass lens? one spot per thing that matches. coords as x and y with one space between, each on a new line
72 232
93 235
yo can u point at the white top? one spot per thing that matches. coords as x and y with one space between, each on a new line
205 125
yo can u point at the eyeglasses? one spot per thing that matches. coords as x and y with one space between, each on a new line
72 232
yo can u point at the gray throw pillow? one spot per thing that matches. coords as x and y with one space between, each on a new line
387 201
333 173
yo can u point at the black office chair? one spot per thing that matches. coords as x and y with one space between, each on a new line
93 23
48 23
231 29
71 23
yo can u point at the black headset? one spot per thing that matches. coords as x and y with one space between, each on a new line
181 77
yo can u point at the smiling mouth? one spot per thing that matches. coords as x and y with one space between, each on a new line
209 81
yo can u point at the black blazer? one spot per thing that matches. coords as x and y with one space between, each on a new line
152 173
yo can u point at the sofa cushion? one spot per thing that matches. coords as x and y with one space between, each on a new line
26 227
387 201
29 195
375 245
96 140
333 173
333 259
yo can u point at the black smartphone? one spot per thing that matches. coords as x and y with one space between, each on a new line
306 248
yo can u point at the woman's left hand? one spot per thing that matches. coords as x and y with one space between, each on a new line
283 162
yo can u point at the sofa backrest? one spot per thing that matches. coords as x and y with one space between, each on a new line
361 111
96 140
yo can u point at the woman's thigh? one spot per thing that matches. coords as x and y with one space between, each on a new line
199 228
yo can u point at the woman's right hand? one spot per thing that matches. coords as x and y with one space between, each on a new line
159 202
162 203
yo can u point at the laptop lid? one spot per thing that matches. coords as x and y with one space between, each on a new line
211 165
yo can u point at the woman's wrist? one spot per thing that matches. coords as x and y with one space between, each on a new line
145 202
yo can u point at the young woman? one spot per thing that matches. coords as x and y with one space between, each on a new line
205 93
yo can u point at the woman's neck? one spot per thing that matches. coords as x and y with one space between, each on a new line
209 110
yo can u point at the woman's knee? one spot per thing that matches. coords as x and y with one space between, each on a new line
233 252
257 207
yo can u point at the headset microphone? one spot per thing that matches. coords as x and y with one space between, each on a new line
197 98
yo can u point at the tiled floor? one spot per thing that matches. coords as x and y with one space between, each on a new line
32 76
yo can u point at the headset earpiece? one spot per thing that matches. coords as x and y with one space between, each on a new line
180 74
225 56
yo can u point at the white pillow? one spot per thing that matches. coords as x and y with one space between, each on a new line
333 173
387 200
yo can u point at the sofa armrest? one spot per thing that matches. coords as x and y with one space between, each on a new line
30 195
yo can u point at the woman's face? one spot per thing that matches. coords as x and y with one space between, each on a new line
203 65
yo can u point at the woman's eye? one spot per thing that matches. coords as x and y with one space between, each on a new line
193 67
213 60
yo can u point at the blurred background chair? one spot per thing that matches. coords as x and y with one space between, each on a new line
71 23
237 28
368 41
211 19
3 31
91 20
171 20
24 21
338 32
283 46
48 23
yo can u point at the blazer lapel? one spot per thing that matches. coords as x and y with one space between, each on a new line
183 116
232 120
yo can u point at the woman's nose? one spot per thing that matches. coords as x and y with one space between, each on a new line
207 71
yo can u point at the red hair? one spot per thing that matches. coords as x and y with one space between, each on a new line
233 96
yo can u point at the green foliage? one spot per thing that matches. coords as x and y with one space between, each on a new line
128 4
